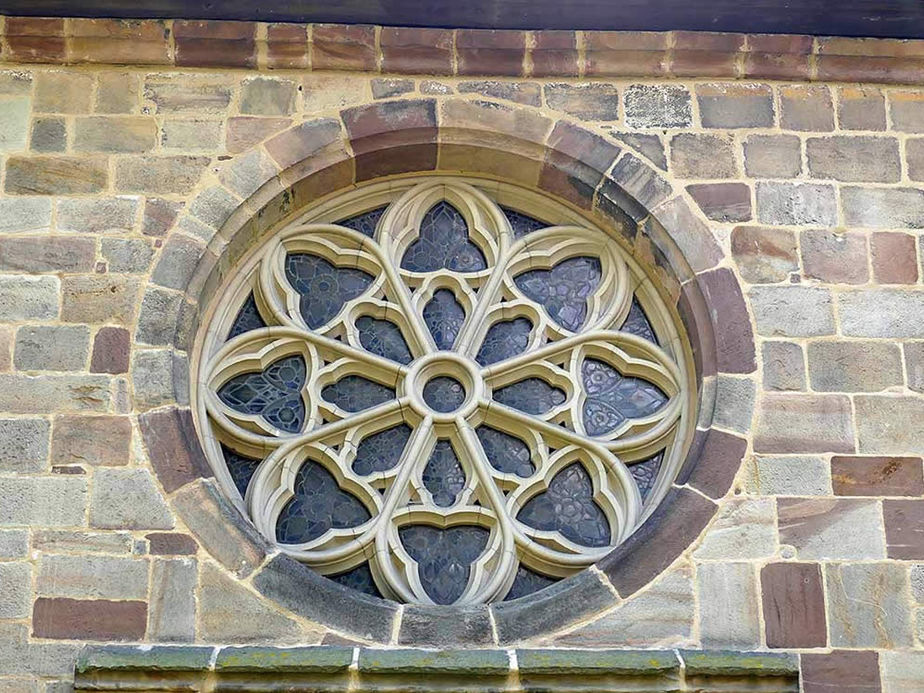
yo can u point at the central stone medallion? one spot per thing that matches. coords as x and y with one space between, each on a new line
444 394
444 385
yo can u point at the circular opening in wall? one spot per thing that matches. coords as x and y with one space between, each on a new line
444 390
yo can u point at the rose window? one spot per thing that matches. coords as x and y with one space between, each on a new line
443 391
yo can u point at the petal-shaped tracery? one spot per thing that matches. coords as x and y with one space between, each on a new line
444 557
443 244
612 397
563 290
274 394
323 287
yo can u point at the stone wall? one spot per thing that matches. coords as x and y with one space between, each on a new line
812 192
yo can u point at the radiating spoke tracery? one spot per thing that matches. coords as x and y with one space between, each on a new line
431 400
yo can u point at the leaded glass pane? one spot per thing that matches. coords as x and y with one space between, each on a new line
360 579
443 476
355 393
526 582
381 451
504 340
522 224
533 395
444 394
274 394
612 397
366 222
444 316
443 243
444 557
563 290
637 323
248 318
241 468
505 452
383 338
323 288
645 473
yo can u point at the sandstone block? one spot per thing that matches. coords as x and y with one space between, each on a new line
772 156
128 499
172 609
792 311
95 440
214 205
786 204
387 88
893 258
889 425
267 96
99 299
902 672
69 541
159 175
159 216
743 528
52 348
735 105
703 156
44 501
586 101
905 108
34 254
784 366
854 159
877 476
794 605
23 445
734 403
914 155
904 528
16 587
854 366
831 528
728 605
126 255
56 175
115 134
25 394
882 313
171 544
118 92
806 108
88 619
883 208
799 424
650 146
658 106
835 258
788 476
24 214
914 365
861 108
14 124
152 378
191 135
63 92
764 255
111 348
839 670
88 576
178 261
187 95
14 543
49 135
723 202
867 605
98 215
248 173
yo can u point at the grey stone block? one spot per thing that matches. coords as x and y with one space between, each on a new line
890 425
98 215
744 528
127 255
428 627
728 605
152 378
16 589
658 106
734 403
39 394
29 298
128 499
25 214
157 319
52 348
882 313
854 366
43 501
92 576
14 543
172 606
883 208
23 445
784 366
71 541
14 124
792 311
178 261
832 528
788 476
787 204
868 605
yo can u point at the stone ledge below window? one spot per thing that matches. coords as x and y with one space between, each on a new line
326 668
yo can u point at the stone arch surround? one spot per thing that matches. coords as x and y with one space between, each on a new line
262 187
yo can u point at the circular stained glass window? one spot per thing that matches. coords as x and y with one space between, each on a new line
443 391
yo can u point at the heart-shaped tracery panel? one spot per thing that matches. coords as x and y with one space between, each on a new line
430 394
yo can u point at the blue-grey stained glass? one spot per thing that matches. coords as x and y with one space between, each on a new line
319 504
366 222
645 473
248 318
360 578
381 451
443 243
355 393
383 338
274 394
443 394
444 316
637 323
526 582
323 287
504 340
533 396
505 452
563 290
568 507
241 467
522 224
612 397
444 557
443 475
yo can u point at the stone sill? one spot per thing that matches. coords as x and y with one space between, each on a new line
323 668
469 52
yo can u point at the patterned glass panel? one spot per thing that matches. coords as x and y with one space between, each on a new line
521 223
443 476
443 244
444 394
637 323
323 288
381 451
360 579
319 504
383 338
526 582
612 397
504 340
645 473
533 395
505 452
248 318
241 468
444 557
366 222
444 316
274 394
568 507
355 393
563 290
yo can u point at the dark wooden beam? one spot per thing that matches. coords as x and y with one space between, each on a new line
881 18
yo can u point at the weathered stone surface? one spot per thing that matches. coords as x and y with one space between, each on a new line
159 216
187 94
63 92
49 135
111 348
861 108
877 476
88 619
640 181
424 625
126 255
799 424
97 215
99 299
107 577
52 348
894 259
772 156
720 456
734 403
792 311
703 156
159 175
14 543
45 501
914 365
854 159
24 214
171 544
152 378
883 208
70 541
724 202
267 96
117 134
743 528
764 255
35 254
16 587
735 105
728 602
904 528
194 135
793 605
729 317
177 262
840 670
914 156
905 110
127 499
172 608
23 445
650 146
14 124
385 88
806 108
528 93
784 366
55 175
867 605
889 425
831 528
214 205
835 258
902 672
854 366
173 447
786 204
586 101
882 313
25 394
658 106
117 92
660 616
94 440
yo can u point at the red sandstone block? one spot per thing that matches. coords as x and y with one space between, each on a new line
780 43
894 258
111 349
625 40
858 68
704 63
877 476
490 51
287 46
554 53
342 47
869 47
171 544
708 41
776 66
416 50
35 39
840 672
118 41
904 528
793 605
88 619
215 43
